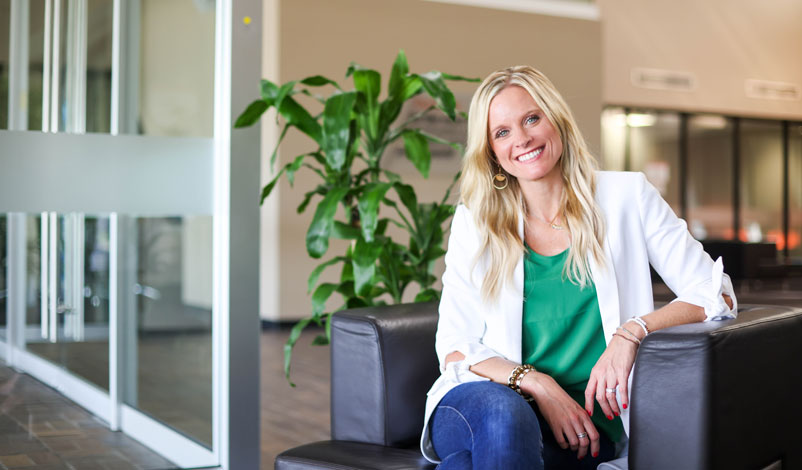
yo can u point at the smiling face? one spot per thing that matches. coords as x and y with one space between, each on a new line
525 143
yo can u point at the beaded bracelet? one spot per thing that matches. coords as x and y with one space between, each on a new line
628 339
641 323
631 334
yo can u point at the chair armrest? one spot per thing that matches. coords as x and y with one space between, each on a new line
720 395
382 364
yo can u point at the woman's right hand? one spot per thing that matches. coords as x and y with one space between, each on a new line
564 415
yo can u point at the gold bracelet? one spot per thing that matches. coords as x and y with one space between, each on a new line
516 377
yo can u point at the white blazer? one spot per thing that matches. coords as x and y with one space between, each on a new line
641 229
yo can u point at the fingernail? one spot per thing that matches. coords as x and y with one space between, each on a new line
595 454
579 458
625 406
609 417
616 413
589 413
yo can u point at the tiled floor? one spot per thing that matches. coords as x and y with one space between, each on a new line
40 429
174 376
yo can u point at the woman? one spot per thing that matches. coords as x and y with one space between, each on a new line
547 289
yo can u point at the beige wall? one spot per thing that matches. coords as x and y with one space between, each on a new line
177 68
721 42
320 36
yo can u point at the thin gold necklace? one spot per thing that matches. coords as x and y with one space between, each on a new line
551 223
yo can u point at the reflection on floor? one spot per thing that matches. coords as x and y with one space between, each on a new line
174 376
41 430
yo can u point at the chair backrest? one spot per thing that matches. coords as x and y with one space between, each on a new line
382 364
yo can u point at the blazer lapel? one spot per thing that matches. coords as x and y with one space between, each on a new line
606 291
513 303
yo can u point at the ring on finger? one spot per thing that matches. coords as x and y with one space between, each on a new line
610 389
582 434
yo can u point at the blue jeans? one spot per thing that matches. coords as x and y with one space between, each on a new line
486 426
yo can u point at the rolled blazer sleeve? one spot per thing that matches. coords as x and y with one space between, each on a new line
680 259
461 325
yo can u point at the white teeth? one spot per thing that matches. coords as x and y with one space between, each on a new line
528 156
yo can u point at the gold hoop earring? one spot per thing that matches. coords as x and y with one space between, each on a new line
499 180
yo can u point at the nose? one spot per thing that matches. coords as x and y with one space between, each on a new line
522 139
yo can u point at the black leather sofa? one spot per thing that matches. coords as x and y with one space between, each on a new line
717 395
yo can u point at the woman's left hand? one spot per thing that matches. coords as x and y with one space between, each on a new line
611 371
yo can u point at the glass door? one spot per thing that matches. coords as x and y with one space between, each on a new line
115 217
71 329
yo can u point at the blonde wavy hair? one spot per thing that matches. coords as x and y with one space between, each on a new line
496 212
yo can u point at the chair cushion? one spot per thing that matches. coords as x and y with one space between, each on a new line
341 455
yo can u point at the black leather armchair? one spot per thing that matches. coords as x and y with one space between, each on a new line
717 395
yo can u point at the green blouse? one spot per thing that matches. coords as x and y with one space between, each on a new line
562 330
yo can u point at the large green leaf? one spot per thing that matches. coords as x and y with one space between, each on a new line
398 75
294 166
310 283
427 295
438 140
402 87
407 195
449 189
344 232
274 155
346 288
412 86
436 88
295 333
365 256
320 189
368 83
284 91
298 116
317 237
290 169
369 207
269 91
451 77
321 295
269 187
295 114
319 80
389 270
328 327
336 128
417 150
251 114
320 340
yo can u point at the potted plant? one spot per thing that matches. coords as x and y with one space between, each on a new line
353 133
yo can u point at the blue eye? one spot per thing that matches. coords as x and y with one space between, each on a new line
532 119
501 133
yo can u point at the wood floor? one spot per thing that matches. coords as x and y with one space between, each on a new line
293 416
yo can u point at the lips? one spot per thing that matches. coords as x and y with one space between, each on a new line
530 155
